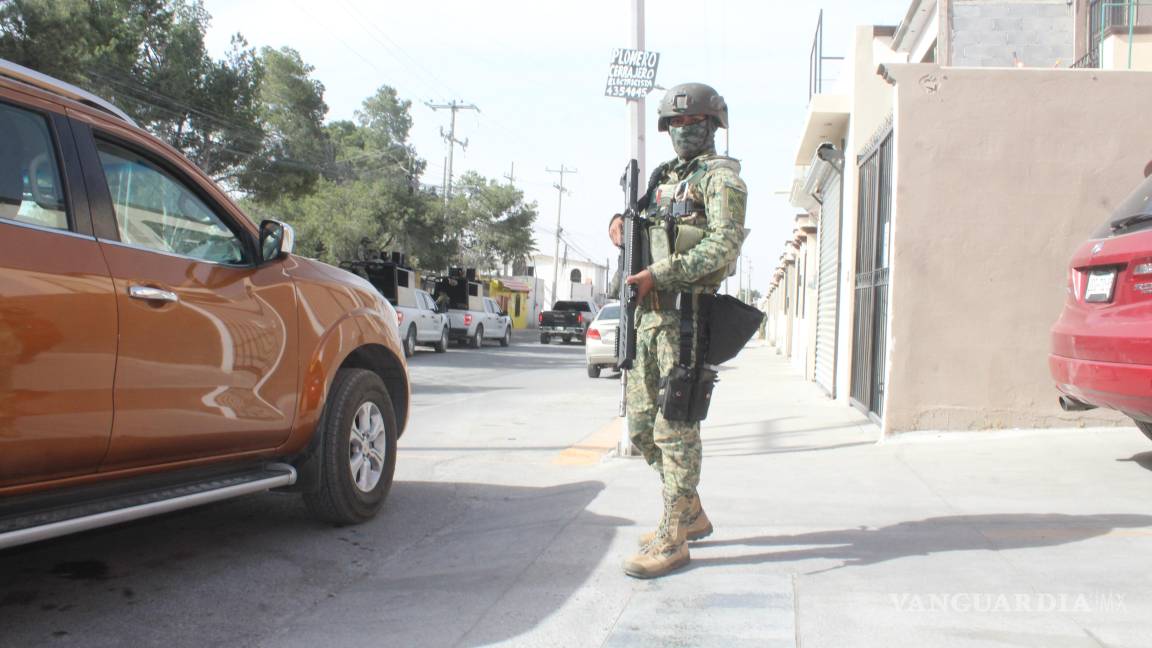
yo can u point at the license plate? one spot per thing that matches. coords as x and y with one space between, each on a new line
1100 284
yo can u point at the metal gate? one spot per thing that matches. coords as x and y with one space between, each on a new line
828 287
870 328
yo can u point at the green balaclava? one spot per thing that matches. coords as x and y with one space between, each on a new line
694 139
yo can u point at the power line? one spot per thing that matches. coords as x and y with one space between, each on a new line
367 23
450 137
559 207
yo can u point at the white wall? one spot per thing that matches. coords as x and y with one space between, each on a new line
592 285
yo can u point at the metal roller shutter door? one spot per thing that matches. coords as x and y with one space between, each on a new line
828 293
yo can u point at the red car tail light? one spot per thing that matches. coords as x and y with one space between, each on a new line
541 318
1141 276
467 319
593 334
580 318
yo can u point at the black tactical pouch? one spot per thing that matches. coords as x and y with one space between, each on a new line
686 394
730 324
687 391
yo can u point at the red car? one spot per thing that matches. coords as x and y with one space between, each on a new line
1102 343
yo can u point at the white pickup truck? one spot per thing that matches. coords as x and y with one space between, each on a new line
473 318
417 317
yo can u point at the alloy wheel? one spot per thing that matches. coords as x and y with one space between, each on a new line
368 447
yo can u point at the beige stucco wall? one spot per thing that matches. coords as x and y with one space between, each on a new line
1114 52
1000 174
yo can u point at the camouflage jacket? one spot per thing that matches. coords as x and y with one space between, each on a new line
718 199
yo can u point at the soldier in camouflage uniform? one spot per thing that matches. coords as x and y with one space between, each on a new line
696 261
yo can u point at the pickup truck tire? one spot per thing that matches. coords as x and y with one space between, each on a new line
593 371
507 339
357 452
566 338
544 339
478 339
442 345
410 342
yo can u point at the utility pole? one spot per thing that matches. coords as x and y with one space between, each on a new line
740 280
751 299
559 205
450 137
636 144
511 177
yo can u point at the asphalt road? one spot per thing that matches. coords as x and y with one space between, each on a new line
478 496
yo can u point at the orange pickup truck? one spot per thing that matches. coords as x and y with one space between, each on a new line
158 350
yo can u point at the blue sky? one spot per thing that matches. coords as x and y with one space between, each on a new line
537 68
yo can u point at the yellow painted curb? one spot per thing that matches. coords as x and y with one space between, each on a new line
593 448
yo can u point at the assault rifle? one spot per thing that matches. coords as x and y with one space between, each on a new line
631 262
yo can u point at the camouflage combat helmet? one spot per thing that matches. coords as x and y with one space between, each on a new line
692 99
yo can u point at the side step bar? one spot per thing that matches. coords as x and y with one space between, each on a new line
74 518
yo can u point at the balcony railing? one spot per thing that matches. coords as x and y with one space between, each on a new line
816 59
1110 17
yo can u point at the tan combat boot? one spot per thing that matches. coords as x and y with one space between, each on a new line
699 526
668 551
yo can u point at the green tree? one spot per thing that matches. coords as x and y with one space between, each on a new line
295 147
148 57
495 224
371 178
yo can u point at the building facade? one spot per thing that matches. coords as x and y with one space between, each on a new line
575 279
948 175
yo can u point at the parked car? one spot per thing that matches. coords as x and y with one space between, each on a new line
1102 343
567 320
473 318
159 350
600 350
419 320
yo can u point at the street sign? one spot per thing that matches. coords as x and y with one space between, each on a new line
632 74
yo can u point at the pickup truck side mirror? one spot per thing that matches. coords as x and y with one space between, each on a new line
277 240
503 313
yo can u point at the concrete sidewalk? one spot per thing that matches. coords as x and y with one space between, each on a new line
825 537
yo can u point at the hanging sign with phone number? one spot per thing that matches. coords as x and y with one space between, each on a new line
632 74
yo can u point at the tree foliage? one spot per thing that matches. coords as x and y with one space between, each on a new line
255 121
149 58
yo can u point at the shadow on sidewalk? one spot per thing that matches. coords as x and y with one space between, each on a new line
766 439
1142 459
863 546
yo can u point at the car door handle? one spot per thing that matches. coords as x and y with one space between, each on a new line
150 293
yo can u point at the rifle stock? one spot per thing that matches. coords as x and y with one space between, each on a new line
632 262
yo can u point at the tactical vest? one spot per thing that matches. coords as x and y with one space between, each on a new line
677 217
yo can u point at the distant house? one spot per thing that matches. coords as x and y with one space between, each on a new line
575 279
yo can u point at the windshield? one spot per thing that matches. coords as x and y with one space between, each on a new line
1133 214
609 312
571 306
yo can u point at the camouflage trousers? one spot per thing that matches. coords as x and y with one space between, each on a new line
672 448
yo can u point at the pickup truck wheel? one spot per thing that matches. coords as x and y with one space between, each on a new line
442 345
507 339
357 449
593 371
544 339
478 339
410 342
566 338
